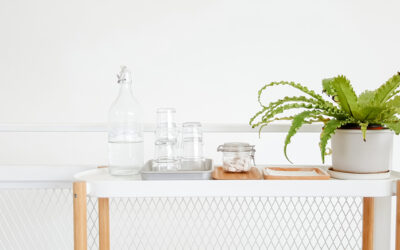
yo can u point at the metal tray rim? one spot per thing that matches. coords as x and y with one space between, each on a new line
147 174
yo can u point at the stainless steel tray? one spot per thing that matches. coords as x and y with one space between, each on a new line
148 173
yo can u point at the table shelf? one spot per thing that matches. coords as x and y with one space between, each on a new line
101 184
376 199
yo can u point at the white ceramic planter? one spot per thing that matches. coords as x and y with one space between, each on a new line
351 154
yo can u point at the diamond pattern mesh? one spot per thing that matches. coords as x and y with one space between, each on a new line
231 223
36 219
44 221
92 223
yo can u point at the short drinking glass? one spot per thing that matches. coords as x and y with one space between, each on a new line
192 146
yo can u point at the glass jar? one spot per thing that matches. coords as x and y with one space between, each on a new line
237 156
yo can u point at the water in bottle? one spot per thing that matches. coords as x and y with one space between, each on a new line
125 133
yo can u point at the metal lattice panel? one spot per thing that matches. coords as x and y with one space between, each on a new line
232 223
44 221
92 223
36 219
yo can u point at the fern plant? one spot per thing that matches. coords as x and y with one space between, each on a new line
344 108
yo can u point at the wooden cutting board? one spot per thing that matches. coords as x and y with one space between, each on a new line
252 174
322 175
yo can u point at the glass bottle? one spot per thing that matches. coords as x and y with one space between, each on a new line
125 133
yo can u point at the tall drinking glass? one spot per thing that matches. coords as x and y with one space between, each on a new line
166 143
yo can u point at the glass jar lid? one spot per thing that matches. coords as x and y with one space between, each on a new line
236 147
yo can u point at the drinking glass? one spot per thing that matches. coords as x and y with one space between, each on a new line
166 142
192 146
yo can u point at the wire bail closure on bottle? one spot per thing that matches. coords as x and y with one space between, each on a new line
124 75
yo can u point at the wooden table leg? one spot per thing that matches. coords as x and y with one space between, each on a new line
368 223
104 224
80 216
398 216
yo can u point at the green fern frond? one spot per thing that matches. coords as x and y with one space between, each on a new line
393 125
364 126
326 110
394 103
327 87
373 114
385 92
294 85
365 98
332 110
286 99
327 132
386 114
280 109
393 119
368 109
346 95
298 121
266 123
256 115
394 93
318 100
313 119
317 118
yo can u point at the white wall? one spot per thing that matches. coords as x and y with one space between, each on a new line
58 59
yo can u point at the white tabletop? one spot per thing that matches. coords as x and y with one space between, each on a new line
101 184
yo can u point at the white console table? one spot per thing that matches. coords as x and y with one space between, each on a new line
376 204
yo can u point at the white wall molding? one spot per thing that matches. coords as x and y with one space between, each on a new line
149 127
